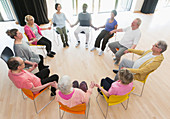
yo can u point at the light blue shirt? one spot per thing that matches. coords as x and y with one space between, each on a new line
35 31
59 20
143 59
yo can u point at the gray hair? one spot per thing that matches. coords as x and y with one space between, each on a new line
139 21
162 45
65 85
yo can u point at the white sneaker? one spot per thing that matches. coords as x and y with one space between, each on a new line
78 43
94 48
86 46
100 53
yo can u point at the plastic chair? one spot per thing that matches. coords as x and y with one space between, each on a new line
113 100
6 54
144 81
78 109
38 46
54 28
30 95
90 30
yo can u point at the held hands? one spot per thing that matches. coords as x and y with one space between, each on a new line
92 84
54 84
34 64
111 32
49 28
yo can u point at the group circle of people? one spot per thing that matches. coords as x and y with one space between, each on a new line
72 93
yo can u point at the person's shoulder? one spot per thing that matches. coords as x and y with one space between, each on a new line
78 91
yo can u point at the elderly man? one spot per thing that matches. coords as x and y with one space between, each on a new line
149 61
85 21
24 79
129 40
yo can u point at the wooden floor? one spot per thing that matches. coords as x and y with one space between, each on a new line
81 64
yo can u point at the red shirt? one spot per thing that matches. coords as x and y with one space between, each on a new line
24 79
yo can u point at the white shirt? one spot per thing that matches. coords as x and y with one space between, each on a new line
131 37
140 61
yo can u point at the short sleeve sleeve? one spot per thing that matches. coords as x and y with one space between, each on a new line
64 16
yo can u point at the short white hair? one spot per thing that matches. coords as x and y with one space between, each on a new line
65 85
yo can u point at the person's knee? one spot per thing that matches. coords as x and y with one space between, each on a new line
55 77
118 55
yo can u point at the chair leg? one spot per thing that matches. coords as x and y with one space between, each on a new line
23 95
87 110
42 107
105 115
126 104
141 91
61 116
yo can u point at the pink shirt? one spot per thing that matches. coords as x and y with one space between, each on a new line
120 89
78 97
30 33
25 79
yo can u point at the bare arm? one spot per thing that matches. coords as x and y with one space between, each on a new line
116 30
68 22
75 23
35 89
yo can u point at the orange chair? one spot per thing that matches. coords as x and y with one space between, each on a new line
30 95
113 100
38 46
78 109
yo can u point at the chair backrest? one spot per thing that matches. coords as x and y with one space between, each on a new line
78 109
30 94
6 54
143 81
116 99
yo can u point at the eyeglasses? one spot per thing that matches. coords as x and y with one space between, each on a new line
156 45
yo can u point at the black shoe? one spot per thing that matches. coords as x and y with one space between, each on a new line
45 67
64 45
53 53
115 71
76 84
52 94
67 44
50 55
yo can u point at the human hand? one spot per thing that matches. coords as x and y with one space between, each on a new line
35 39
71 26
111 32
97 85
92 84
49 28
54 84
34 64
126 51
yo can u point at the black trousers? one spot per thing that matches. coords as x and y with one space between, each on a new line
105 35
106 84
46 42
44 76
41 63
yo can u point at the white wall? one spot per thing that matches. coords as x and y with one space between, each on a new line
136 5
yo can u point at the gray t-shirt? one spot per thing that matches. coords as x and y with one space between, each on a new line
143 59
59 20
24 51
35 31
131 37
84 19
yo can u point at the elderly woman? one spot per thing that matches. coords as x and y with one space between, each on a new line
70 96
121 87
110 25
33 32
59 19
23 50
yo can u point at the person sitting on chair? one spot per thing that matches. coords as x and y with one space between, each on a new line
110 25
23 50
24 79
85 21
33 32
59 19
149 61
121 87
129 40
70 96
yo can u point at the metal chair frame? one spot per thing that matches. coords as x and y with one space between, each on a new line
37 111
